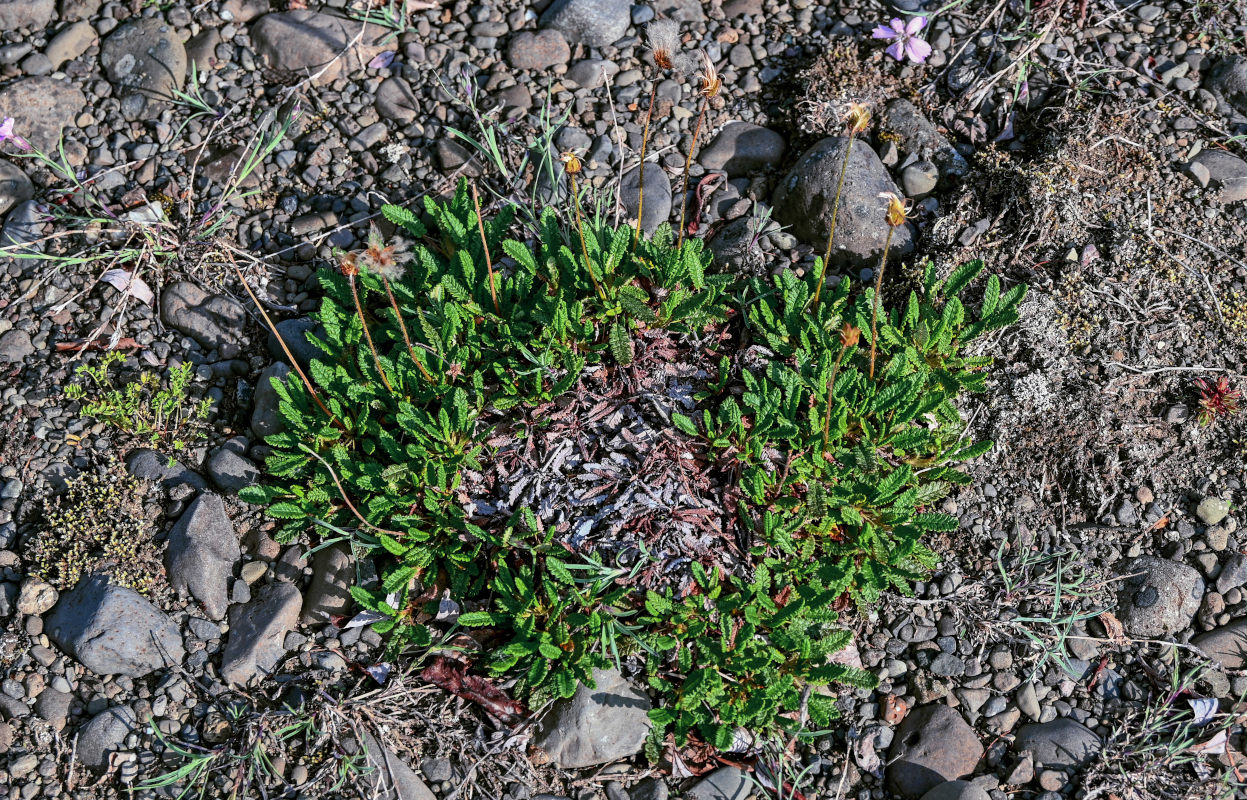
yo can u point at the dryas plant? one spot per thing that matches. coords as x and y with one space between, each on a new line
832 452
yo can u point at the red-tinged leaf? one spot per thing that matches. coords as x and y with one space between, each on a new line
125 343
452 676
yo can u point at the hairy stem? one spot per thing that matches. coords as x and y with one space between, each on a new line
376 359
307 384
688 162
874 314
398 315
831 391
489 264
640 208
835 213
580 228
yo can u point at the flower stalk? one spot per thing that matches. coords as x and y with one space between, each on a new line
857 119
664 45
710 85
348 264
896 215
572 165
849 337
489 264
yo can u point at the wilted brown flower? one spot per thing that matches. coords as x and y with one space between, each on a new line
898 209
383 260
570 163
711 83
857 118
849 335
348 264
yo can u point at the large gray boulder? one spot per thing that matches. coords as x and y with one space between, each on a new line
742 149
145 57
803 201
1159 597
595 726
112 630
215 321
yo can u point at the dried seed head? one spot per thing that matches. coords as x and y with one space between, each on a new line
711 83
898 210
348 264
857 118
570 163
849 335
664 43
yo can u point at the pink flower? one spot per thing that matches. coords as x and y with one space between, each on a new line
905 41
7 134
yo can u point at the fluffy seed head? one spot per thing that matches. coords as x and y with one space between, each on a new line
382 260
664 43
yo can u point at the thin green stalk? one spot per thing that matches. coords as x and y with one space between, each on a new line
398 315
376 359
640 208
688 162
835 213
874 314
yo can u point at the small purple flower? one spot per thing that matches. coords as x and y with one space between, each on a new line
7 135
905 41
382 60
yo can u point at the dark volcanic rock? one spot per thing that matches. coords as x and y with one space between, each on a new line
804 199
114 630
932 745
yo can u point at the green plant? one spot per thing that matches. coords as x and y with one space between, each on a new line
97 525
832 473
164 416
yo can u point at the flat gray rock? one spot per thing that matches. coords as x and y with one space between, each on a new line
1226 645
15 187
214 321
391 778
41 108
1059 744
957 790
105 733
230 471
203 549
657 208
329 593
933 745
258 633
145 57
724 783
594 23
742 149
1226 173
595 726
112 630
803 201
25 14
150 465
305 43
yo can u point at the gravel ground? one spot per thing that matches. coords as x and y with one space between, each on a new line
1090 606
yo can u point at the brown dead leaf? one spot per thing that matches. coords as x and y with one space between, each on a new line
1113 627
